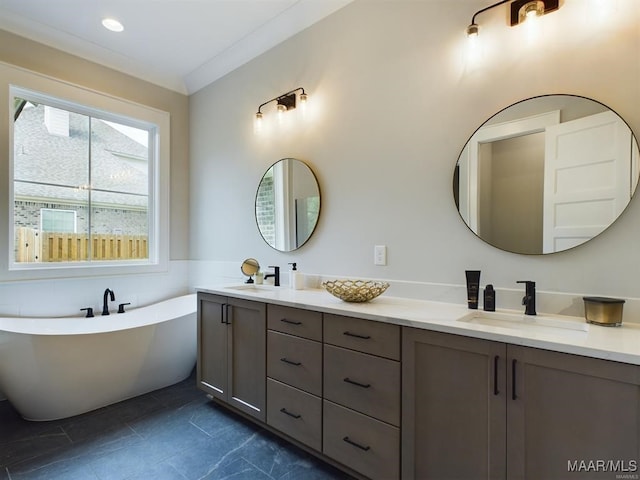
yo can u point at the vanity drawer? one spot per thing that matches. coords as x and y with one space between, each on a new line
376 338
303 323
295 413
295 361
362 382
362 443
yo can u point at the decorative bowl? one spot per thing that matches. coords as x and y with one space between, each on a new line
355 290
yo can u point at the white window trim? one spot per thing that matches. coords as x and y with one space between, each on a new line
20 81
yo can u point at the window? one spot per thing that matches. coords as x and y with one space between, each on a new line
63 221
83 185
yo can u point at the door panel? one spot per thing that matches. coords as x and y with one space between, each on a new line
453 407
212 345
247 362
569 409
587 178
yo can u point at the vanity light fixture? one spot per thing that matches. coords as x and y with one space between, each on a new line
520 10
286 101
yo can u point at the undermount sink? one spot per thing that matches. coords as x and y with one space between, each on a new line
253 287
545 324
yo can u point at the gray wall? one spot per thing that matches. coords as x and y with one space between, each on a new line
393 98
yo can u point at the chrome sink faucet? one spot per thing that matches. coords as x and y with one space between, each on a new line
529 299
275 275
105 301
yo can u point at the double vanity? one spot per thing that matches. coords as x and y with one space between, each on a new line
402 388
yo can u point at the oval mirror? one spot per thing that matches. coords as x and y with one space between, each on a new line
546 174
287 204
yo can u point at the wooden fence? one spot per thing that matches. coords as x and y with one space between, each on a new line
34 246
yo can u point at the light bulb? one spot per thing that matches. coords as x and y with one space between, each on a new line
531 13
531 10
257 123
303 105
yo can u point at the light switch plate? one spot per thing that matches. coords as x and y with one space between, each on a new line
380 255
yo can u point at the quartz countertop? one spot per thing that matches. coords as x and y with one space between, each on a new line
620 344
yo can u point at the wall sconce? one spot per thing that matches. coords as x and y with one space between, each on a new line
520 11
284 102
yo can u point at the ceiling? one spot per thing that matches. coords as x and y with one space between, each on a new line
182 45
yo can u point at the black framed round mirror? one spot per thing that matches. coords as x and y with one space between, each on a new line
287 205
546 174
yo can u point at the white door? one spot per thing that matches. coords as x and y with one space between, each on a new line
587 178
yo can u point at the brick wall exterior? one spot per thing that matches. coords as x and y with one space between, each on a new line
105 220
265 210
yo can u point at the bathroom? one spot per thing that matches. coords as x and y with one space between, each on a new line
394 94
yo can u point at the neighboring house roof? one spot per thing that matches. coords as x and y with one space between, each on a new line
119 163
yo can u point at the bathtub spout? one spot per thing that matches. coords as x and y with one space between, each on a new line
105 301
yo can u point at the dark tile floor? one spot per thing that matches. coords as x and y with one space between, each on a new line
174 433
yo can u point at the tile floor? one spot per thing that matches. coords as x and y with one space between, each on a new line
174 433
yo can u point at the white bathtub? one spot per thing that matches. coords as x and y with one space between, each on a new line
53 368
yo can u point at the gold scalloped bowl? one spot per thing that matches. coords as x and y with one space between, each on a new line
355 290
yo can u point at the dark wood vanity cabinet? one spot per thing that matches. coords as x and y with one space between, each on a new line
294 371
231 352
361 407
334 385
475 408
383 401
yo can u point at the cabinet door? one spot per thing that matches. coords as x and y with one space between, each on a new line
453 407
212 345
565 411
247 373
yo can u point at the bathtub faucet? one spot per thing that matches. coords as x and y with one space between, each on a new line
105 301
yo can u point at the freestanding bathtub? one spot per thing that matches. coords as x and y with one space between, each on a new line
53 368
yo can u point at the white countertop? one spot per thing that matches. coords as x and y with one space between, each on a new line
620 344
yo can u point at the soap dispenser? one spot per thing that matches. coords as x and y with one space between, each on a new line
296 279
489 299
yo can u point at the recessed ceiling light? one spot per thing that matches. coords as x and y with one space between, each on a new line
112 24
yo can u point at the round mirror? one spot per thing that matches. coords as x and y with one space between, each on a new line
250 267
546 174
287 204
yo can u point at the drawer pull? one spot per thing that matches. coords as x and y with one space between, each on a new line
514 396
496 359
356 444
290 362
290 322
353 382
356 335
287 412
